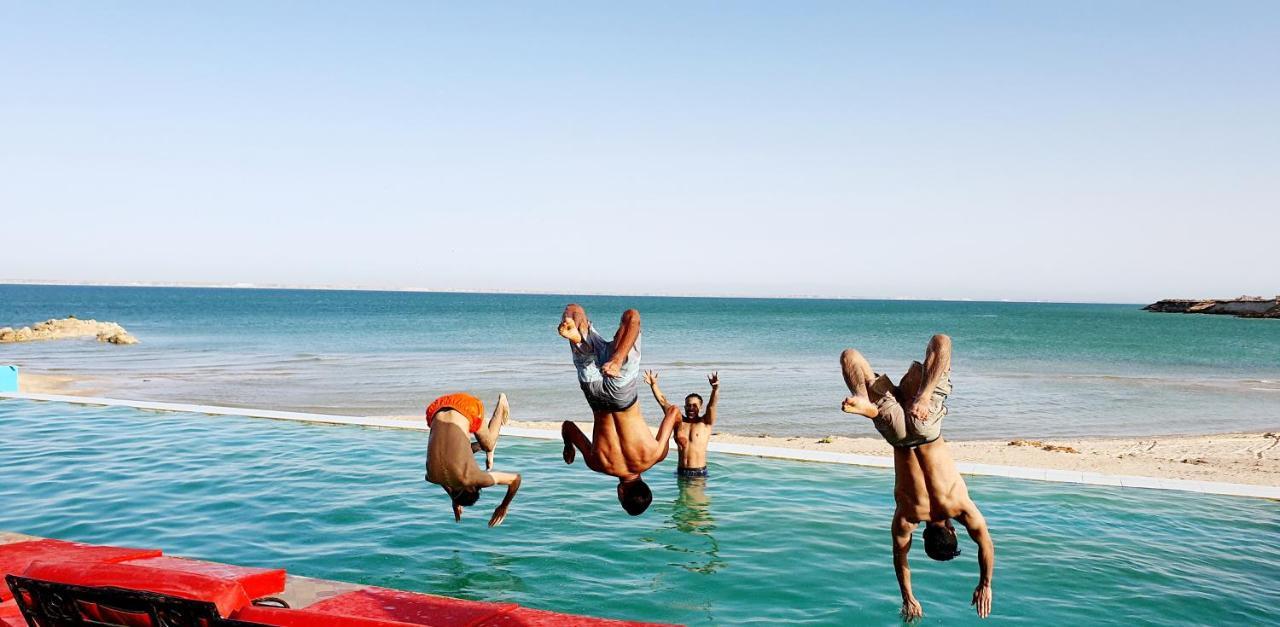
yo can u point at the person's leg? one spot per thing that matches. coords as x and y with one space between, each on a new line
487 436
923 392
858 376
910 382
575 438
574 323
623 341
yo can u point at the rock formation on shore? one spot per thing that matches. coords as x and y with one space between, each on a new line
1243 307
66 328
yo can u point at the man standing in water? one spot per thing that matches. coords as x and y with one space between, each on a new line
927 486
451 461
694 431
621 444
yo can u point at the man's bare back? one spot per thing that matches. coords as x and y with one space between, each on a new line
451 460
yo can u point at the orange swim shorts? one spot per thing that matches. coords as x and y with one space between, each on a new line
465 404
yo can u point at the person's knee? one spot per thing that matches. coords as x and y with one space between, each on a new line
940 342
631 316
850 357
673 410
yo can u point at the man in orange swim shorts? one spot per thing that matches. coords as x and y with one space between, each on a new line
451 462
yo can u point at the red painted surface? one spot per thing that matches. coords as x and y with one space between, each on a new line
307 618
408 607
257 582
231 587
10 615
227 595
16 557
528 617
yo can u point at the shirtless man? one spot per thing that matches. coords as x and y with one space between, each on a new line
694 431
927 486
451 462
621 444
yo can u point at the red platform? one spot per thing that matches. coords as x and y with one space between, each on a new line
231 589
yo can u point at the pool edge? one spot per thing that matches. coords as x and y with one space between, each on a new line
968 468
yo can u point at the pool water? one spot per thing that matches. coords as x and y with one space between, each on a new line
761 541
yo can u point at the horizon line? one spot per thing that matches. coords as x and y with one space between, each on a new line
427 290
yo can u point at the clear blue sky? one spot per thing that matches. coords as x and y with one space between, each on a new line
1114 151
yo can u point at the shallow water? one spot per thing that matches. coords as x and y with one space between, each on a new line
763 541
1021 369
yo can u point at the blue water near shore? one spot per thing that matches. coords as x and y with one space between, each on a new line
1021 369
762 542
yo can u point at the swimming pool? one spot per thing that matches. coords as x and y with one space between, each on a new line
763 541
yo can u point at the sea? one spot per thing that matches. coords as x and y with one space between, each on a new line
1022 370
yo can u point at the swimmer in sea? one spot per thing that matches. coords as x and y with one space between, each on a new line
693 433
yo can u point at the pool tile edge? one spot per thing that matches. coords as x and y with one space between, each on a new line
1012 472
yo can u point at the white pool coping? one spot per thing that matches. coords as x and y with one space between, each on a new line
1014 472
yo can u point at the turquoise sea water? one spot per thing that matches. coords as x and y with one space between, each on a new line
762 542
1021 369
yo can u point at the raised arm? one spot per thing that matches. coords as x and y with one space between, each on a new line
714 380
512 481
974 522
902 533
651 378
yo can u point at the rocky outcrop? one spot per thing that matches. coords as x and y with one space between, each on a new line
67 328
1243 307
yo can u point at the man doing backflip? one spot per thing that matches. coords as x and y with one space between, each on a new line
927 486
608 371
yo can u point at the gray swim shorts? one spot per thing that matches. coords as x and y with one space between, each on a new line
896 426
606 393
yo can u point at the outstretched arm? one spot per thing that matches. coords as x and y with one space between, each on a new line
714 379
651 378
977 527
937 361
902 532
512 481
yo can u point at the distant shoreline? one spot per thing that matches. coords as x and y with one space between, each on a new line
1254 307
428 290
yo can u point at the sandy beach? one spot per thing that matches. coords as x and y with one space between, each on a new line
67 385
1250 458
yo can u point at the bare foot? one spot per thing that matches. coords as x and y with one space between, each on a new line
504 408
568 446
859 405
569 331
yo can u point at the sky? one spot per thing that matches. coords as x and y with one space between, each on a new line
1067 151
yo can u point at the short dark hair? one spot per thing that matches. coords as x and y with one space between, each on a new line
635 497
465 498
940 542
694 395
